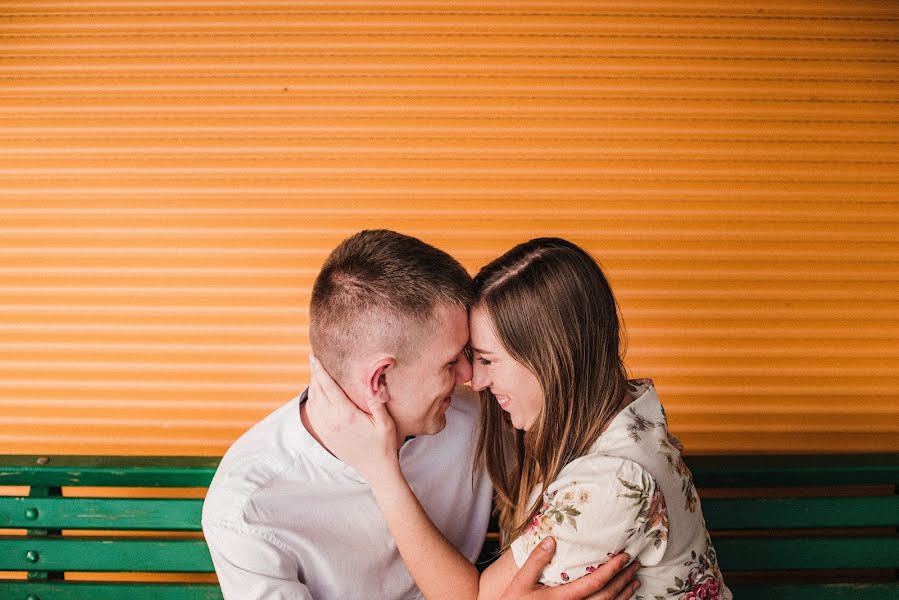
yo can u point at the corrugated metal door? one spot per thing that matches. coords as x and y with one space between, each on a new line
175 173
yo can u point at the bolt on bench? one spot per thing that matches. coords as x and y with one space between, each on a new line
785 527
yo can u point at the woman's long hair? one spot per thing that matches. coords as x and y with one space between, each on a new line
554 312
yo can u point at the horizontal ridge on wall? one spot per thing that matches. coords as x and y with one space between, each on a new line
175 174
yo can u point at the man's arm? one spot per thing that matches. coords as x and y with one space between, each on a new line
250 567
609 582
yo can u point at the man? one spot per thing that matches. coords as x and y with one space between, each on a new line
286 519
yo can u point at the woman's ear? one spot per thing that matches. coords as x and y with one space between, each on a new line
377 380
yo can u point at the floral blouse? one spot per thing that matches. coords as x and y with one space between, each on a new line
632 492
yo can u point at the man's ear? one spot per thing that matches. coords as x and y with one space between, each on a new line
377 380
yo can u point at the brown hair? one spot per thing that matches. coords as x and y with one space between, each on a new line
553 310
378 283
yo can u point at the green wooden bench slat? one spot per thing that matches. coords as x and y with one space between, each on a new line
105 554
197 471
117 471
769 553
831 591
159 514
80 590
794 470
788 513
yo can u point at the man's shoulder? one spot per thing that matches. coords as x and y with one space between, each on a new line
254 461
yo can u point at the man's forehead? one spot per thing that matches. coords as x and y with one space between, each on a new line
449 333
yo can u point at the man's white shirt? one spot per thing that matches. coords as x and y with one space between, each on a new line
285 519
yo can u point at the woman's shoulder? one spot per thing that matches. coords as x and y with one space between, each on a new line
598 506
638 429
601 475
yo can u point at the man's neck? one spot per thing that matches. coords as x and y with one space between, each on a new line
309 415
308 423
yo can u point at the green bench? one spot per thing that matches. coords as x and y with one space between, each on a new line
832 534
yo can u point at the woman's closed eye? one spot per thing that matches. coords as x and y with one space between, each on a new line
483 361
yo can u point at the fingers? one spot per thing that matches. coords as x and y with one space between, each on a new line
330 392
380 416
529 574
604 576
621 587
329 419
629 591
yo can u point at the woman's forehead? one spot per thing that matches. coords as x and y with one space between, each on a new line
483 338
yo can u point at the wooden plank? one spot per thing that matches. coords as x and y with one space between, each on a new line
81 590
115 471
832 591
197 471
104 554
764 553
163 514
790 513
794 470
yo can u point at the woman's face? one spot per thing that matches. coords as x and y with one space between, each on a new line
515 387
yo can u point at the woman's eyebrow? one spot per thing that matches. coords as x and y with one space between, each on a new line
479 351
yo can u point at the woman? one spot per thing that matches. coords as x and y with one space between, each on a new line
575 451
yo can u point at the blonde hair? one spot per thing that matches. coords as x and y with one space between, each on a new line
553 310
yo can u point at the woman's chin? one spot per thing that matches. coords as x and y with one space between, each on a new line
517 422
523 424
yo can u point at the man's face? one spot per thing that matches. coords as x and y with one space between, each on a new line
421 386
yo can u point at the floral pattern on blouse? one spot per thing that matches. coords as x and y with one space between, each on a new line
638 425
630 516
652 515
703 581
562 510
671 448
631 492
556 511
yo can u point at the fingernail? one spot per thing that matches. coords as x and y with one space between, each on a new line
547 543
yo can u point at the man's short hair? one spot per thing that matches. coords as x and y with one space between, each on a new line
383 287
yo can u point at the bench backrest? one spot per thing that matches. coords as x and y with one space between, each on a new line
113 530
783 526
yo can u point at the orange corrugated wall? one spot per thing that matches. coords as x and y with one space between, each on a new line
174 173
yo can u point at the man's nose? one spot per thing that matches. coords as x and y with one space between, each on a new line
463 370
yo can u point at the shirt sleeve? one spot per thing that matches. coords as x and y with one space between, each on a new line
602 507
251 567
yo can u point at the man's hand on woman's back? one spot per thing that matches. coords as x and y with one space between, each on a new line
611 581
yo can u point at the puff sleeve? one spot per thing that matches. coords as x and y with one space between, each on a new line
598 507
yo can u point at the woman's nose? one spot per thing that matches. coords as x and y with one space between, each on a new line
479 379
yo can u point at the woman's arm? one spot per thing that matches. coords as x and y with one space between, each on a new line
368 443
441 572
436 566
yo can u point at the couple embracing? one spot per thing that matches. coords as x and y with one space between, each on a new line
378 480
